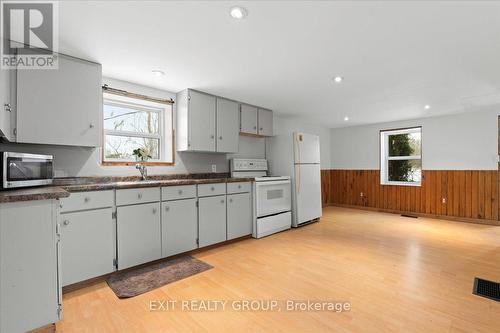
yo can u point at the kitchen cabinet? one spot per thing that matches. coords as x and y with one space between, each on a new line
29 276
256 121
227 126
196 124
248 119
265 120
212 220
179 226
61 106
138 234
239 215
6 104
87 246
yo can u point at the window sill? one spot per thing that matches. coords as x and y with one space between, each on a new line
402 184
117 163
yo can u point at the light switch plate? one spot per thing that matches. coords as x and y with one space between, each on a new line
214 167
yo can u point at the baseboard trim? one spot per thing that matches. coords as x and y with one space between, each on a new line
440 217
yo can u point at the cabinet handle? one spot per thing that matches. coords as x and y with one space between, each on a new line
8 107
212 136
222 201
66 222
239 186
167 208
180 192
91 125
139 196
260 129
255 127
230 200
220 137
87 199
60 205
212 188
154 210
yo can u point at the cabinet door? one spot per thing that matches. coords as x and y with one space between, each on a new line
239 215
138 234
265 122
28 265
212 220
6 105
201 117
227 126
179 226
87 245
61 107
248 119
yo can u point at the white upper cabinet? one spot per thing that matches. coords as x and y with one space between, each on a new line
248 118
265 121
208 123
227 126
6 105
256 121
60 106
196 124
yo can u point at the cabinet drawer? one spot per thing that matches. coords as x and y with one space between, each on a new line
137 195
205 190
240 187
178 192
87 200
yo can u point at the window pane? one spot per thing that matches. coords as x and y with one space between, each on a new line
124 118
408 144
405 170
122 147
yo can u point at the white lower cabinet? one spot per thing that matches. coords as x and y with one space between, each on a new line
138 234
179 226
239 215
30 292
87 247
212 220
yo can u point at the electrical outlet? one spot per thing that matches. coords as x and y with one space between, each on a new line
214 167
444 200
361 194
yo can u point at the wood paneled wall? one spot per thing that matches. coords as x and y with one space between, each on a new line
459 193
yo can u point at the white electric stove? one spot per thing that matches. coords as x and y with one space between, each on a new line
272 202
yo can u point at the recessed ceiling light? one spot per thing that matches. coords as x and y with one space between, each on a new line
346 118
338 79
238 12
427 107
157 72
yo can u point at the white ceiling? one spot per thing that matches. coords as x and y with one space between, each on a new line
396 57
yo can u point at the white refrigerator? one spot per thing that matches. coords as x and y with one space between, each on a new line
307 178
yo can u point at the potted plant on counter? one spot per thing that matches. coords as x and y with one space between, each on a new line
142 155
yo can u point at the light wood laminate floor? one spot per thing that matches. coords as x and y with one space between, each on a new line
399 275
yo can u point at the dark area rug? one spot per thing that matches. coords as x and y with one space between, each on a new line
141 280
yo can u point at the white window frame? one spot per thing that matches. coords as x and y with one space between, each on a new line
385 158
142 105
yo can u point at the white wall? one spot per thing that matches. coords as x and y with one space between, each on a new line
81 162
467 141
279 148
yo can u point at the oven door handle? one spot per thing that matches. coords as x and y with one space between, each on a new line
271 183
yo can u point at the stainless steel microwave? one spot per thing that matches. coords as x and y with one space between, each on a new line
23 170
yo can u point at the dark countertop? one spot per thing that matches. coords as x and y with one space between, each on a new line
35 193
63 191
149 183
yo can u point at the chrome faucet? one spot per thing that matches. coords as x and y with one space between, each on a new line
144 171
